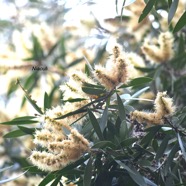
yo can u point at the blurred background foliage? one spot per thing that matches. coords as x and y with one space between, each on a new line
62 36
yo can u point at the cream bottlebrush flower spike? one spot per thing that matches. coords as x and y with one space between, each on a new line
117 73
61 151
163 107
162 53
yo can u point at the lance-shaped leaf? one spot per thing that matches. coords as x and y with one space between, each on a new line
171 155
162 147
103 144
28 97
133 174
93 89
21 121
47 179
47 101
95 125
147 9
181 23
14 134
88 173
121 109
172 10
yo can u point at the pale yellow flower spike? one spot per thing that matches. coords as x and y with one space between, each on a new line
122 71
166 45
162 53
163 108
163 104
101 74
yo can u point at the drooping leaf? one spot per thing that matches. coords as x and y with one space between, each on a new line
14 134
19 122
162 147
147 9
95 125
181 23
171 155
47 179
28 97
172 10
88 173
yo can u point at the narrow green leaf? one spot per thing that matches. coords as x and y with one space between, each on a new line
93 89
33 103
46 101
128 142
71 166
27 130
74 100
103 120
181 46
116 5
147 9
133 174
71 113
24 118
28 97
87 70
121 108
74 62
15 134
150 135
47 179
122 8
95 125
162 147
103 144
88 173
181 23
137 82
56 181
172 10
124 131
19 122
37 50
182 146
171 155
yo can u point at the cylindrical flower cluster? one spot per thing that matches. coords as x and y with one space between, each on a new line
163 107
